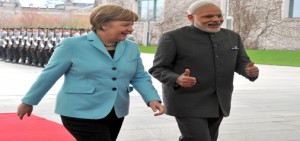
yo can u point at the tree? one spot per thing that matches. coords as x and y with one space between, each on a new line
175 16
255 19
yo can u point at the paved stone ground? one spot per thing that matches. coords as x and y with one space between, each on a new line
266 110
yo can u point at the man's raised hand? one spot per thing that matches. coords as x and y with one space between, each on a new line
185 81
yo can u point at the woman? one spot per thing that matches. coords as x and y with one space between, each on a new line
98 68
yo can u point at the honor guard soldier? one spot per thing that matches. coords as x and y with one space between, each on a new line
75 32
0 44
3 44
22 51
9 45
49 44
32 52
26 49
66 33
41 46
88 30
82 31
16 42
58 37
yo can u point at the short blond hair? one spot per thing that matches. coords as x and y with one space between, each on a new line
107 13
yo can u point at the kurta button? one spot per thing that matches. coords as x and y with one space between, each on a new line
114 79
114 68
114 89
217 56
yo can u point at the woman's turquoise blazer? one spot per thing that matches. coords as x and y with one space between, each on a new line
94 82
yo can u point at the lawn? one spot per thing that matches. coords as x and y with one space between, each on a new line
267 57
275 57
148 49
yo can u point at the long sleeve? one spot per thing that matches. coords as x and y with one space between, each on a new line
164 60
57 66
143 84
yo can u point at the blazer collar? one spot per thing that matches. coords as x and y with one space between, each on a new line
97 43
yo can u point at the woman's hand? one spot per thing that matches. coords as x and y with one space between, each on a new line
24 109
156 105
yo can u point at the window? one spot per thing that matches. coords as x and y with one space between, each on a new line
151 10
294 10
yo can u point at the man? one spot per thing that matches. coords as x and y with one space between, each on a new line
3 44
196 65
65 33
31 52
16 42
82 31
9 48
24 45
40 47
75 32
57 38
49 43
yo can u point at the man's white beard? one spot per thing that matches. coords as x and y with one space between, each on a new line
207 29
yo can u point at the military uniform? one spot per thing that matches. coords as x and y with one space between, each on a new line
40 50
8 49
15 47
75 32
3 44
66 33
83 31
22 51
58 38
49 41
33 46
32 50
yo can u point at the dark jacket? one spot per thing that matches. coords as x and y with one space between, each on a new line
211 57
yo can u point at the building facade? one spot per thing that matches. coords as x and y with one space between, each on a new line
274 24
266 25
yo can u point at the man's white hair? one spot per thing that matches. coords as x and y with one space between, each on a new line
198 4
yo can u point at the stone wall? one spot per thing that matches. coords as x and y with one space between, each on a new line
270 27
